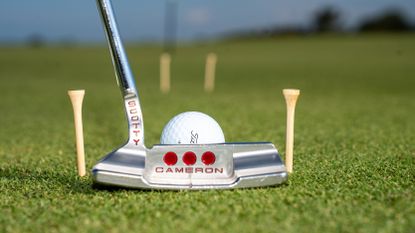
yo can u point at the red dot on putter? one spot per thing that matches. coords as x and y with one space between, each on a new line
208 158
170 158
189 158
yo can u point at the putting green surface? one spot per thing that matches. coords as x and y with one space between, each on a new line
354 168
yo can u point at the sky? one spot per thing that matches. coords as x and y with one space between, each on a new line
78 20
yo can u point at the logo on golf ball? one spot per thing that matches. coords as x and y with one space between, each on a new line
194 137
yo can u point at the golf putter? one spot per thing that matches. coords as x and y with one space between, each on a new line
183 166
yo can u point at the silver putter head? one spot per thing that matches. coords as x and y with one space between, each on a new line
202 166
191 166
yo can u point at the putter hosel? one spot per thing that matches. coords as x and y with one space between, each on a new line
125 79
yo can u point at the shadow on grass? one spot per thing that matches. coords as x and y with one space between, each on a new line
100 187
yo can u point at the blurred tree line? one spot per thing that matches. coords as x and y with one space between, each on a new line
390 21
329 20
325 20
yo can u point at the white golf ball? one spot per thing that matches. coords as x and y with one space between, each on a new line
192 128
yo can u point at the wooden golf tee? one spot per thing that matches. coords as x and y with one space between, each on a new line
210 72
291 96
165 72
77 97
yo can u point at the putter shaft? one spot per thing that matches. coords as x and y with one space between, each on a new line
125 78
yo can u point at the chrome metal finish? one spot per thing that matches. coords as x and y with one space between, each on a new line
125 78
123 72
237 165
244 165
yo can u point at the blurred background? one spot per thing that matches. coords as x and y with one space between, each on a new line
324 47
42 22
354 61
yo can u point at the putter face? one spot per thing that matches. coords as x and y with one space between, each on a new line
191 166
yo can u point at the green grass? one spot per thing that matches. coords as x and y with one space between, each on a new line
355 140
